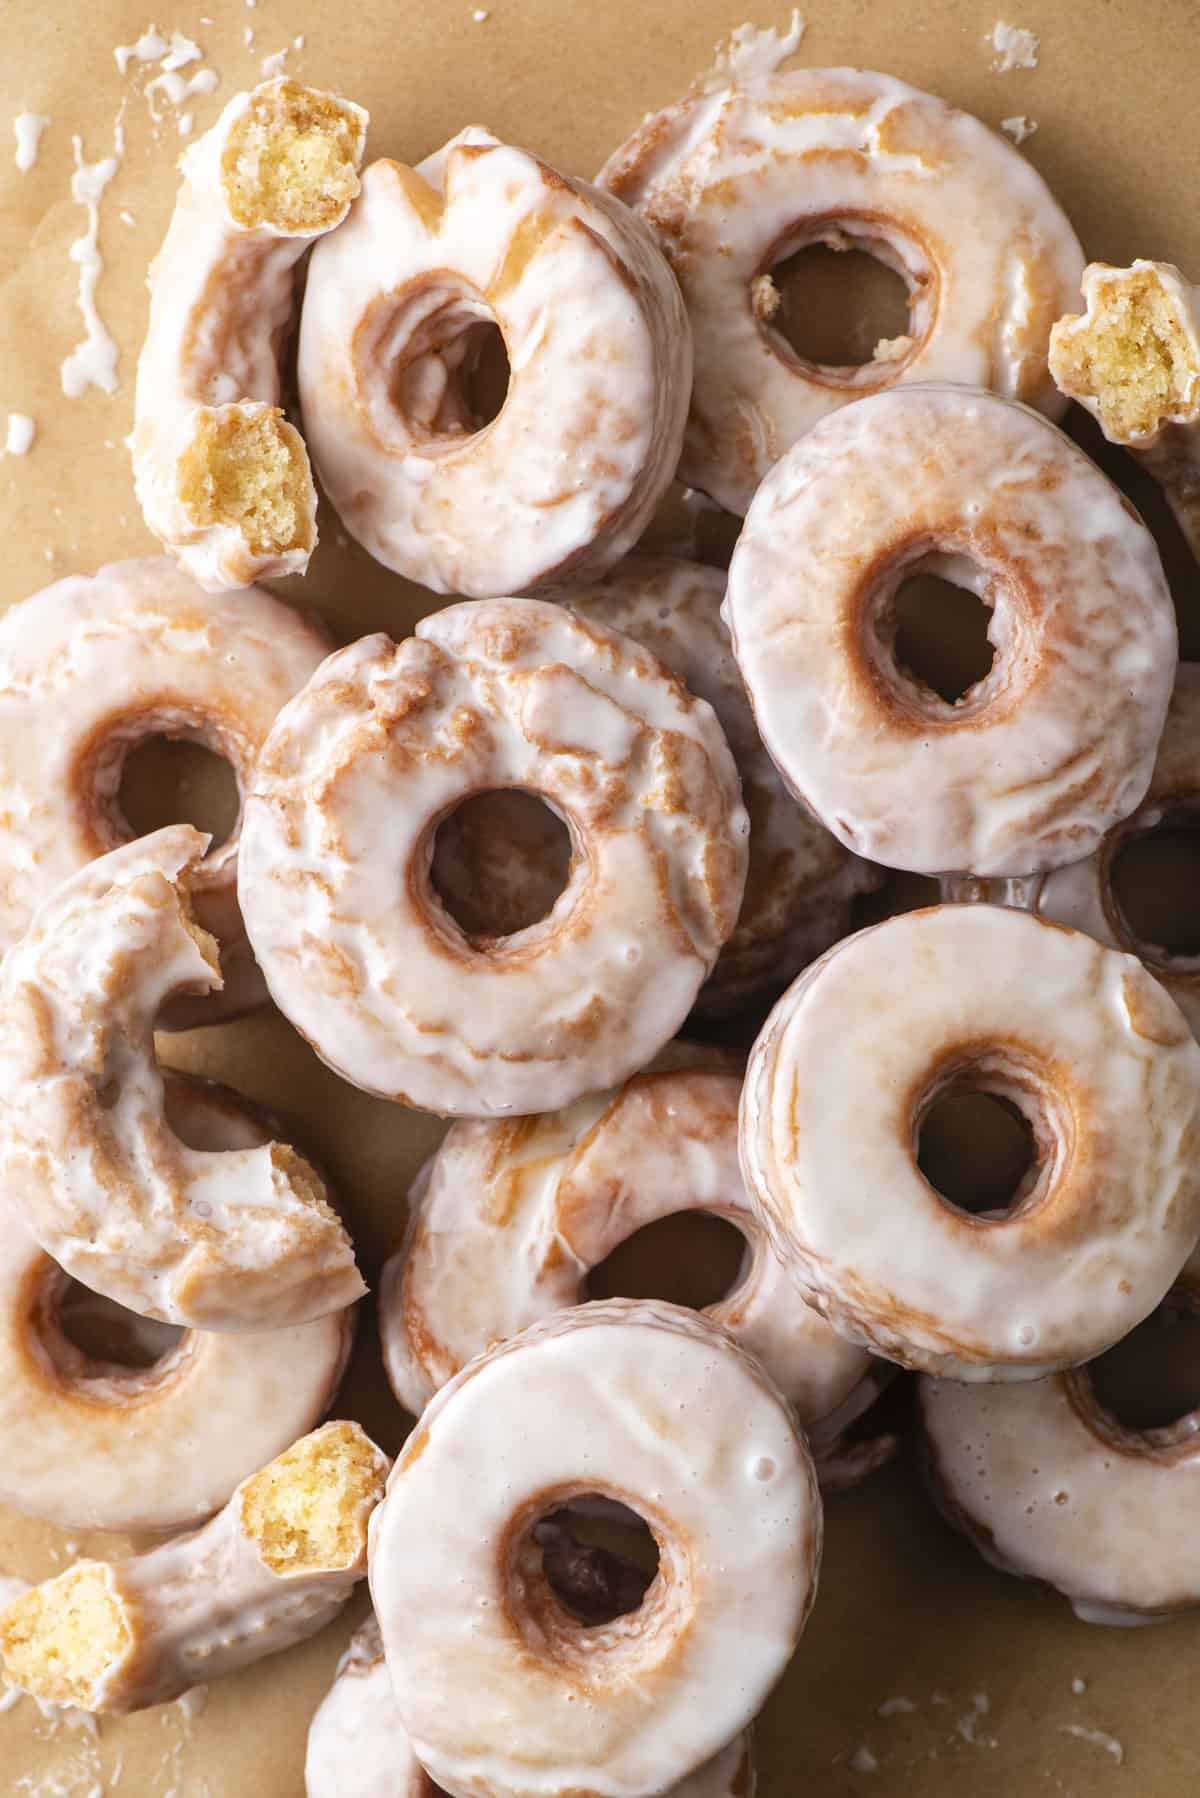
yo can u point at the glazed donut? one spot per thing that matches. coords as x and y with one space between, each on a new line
1083 895
357 773
191 1422
800 880
567 476
1132 358
508 1219
240 1240
269 1570
1056 744
736 181
1049 1485
221 476
94 665
1080 1039
357 1747
658 1409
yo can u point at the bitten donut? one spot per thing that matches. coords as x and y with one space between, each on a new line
1056 743
1049 1485
221 476
1083 895
269 1570
244 1239
90 1443
357 1747
800 880
977 998
563 481
96 664
1133 359
352 783
734 182
501 1690
508 1219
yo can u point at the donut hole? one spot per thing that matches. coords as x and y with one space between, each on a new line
448 373
598 1557
936 633
693 1258
836 306
87 1338
175 780
941 636
500 861
1154 877
1151 1379
977 1149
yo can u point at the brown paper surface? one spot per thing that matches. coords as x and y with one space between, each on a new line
989 1667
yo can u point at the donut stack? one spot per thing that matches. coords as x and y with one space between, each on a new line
727 765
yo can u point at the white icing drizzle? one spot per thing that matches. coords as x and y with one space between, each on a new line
21 432
1019 127
1098 1738
895 1707
276 63
968 1724
863 1761
176 88
1015 47
93 362
149 48
752 50
28 128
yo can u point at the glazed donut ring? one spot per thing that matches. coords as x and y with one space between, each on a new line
1056 744
357 1747
1087 1046
1049 1485
352 783
567 476
508 1219
656 1408
736 181
1083 895
190 1426
95 664
221 476
239 1240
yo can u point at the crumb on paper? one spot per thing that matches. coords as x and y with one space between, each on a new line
248 37
298 43
968 1724
1018 127
891 349
93 361
1098 1738
21 432
750 51
126 217
1015 47
1079 1687
863 1761
895 1707
28 128
481 15
765 297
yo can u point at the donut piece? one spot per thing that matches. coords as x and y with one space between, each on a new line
800 880
1132 358
734 182
1084 896
399 303
1056 743
499 1687
270 1569
353 781
1080 1039
508 1219
241 1240
221 476
1049 1485
95 664
357 1747
191 1422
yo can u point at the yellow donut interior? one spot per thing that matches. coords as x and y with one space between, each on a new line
1131 356
307 1510
290 162
246 467
60 1638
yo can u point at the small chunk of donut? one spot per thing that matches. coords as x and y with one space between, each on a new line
656 1408
244 1240
560 484
222 477
272 1568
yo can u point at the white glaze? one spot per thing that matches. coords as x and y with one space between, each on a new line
91 1446
1057 742
1015 47
357 1747
221 299
241 1240
565 479
735 181
1171 450
1080 1037
1082 895
508 1220
28 128
499 1690
381 744
93 362
20 435
207 1604
96 663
